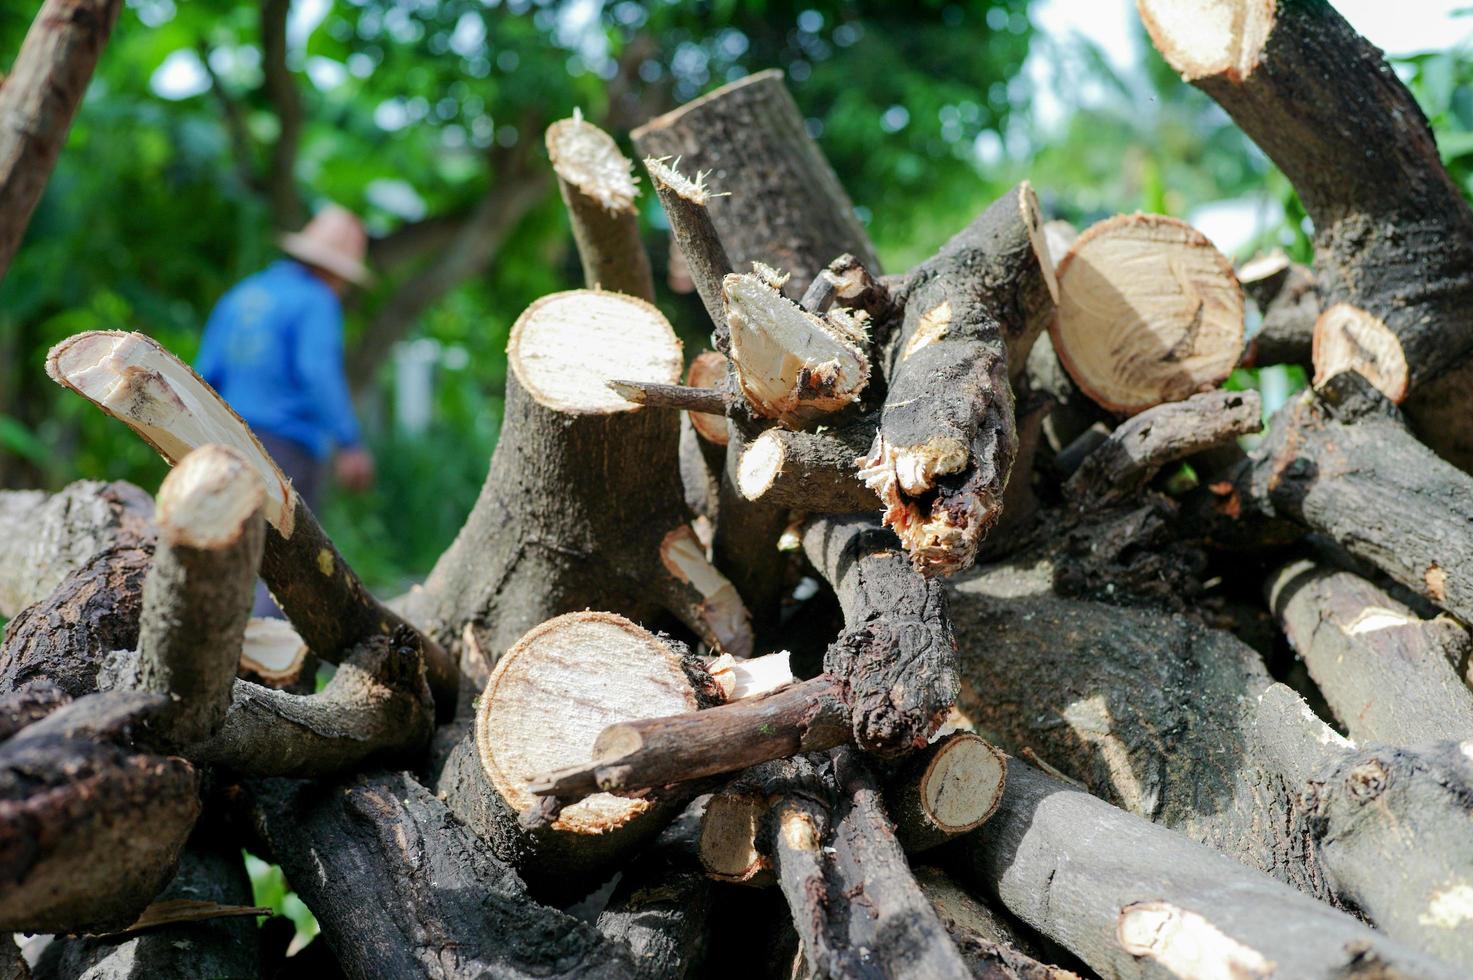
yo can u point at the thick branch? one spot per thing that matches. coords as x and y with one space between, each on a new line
813 472
38 100
598 188
1285 295
684 200
281 91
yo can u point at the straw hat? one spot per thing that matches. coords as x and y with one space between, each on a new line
333 240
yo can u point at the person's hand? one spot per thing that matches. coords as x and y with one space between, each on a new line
354 469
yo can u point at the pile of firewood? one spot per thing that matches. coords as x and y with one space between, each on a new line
939 601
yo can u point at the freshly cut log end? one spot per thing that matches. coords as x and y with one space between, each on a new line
1149 312
718 613
1185 944
206 501
730 828
760 465
566 347
556 690
135 380
1201 38
1058 236
951 788
1347 338
707 371
272 653
589 159
751 678
809 472
692 189
793 366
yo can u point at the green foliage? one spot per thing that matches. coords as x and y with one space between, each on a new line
269 890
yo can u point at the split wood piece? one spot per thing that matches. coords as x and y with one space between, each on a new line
1341 461
90 829
855 903
376 708
1183 725
991 946
685 201
209 874
197 596
65 638
615 672
599 187
273 655
783 205
1149 312
135 380
45 537
1132 899
948 436
1141 445
583 505
1393 234
811 472
947 789
631 757
402 888
663 906
792 366
40 96
896 656
1389 675
1285 295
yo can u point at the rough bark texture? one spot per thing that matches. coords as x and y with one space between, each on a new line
948 434
685 199
30 703
1393 235
855 903
225 947
598 190
45 537
747 532
401 888
1140 446
812 472
38 100
1341 461
64 638
785 207
896 656
90 830
993 948
1388 675
1132 899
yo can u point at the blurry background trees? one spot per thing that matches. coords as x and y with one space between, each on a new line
211 126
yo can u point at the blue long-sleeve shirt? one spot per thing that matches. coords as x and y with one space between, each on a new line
273 349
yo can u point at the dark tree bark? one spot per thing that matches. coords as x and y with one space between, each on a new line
1388 675
811 472
1132 899
401 888
1393 235
1285 295
992 947
38 100
281 91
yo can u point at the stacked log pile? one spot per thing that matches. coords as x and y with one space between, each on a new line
938 626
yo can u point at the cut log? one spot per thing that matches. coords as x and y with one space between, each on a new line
135 380
197 596
45 537
1285 295
210 947
1183 725
855 903
1140 446
708 370
896 656
599 187
791 365
947 435
401 888
615 672
583 505
811 472
38 100
1340 460
945 790
1132 899
273 655
1393 234
90 830
1149 312
1388 675
685 202
785 208
64 638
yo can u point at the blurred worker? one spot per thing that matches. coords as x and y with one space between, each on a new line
273 349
